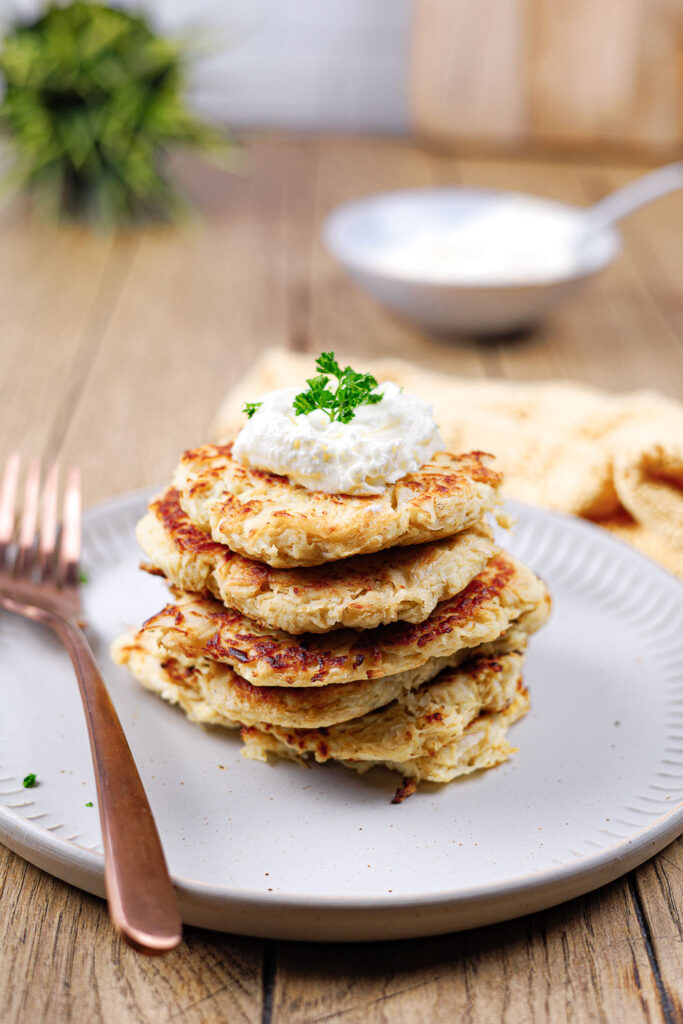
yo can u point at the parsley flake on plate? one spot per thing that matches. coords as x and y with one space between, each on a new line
29 780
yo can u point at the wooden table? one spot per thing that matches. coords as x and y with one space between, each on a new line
115 353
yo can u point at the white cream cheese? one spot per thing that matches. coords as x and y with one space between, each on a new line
381 443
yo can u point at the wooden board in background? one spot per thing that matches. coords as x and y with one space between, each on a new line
573 73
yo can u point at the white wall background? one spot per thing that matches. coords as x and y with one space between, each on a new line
310 64
323 65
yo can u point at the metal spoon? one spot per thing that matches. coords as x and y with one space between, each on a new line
619 204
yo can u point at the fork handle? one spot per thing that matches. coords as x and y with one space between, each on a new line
142 903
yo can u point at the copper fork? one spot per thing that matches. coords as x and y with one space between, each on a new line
39 579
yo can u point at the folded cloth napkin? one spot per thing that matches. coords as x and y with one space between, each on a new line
616 459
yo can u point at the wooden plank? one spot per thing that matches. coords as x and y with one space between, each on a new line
56 289
658 889
61 961
584 961
466 71
552 72
196 308
605 72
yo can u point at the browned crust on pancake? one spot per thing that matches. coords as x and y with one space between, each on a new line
484 609
186 535
319 741
451 726
269 518
233 697
360 592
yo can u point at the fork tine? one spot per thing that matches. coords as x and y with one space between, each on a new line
70 546
48 523
29 519
8 500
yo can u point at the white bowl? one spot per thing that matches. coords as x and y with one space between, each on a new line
384 243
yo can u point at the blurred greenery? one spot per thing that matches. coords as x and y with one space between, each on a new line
93 101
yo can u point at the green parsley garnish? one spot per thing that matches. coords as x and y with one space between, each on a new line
83 577
250 408
29 781
89 803
352 389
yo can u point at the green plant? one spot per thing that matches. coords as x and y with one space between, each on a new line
93 101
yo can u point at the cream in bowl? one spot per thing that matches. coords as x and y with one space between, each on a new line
472 261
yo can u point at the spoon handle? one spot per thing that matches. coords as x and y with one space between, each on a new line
636 194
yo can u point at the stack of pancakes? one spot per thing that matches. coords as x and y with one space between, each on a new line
376 629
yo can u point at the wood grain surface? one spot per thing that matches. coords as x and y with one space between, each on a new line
569 73
115 354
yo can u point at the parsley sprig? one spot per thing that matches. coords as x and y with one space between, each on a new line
250 408
339 402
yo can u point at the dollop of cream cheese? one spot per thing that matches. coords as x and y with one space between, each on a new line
382 443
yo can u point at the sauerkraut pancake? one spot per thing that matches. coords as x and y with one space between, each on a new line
359 592
207 688
269 518
483 744
451 726
415 727
506 592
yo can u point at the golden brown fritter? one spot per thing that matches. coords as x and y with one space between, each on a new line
451 726
197 626
359 592
270 519
219 690
410 733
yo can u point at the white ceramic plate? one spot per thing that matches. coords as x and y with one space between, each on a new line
287 852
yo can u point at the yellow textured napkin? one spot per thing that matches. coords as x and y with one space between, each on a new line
614 459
